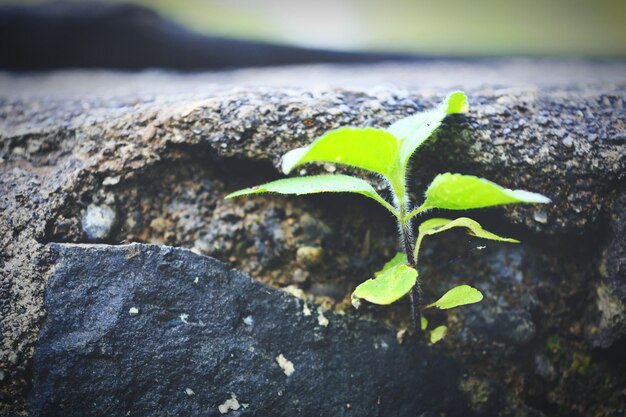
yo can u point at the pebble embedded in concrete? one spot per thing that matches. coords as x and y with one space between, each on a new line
321 318
309 255
544 368
98 221
230 404
540 216
285 364
300 276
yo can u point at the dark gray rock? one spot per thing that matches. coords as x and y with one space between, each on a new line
504 321
502 325
544 368
146 330
614 268
510 327
608 310
610 295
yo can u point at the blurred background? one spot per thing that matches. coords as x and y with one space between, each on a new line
558 28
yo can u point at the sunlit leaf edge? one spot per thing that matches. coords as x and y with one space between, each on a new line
398 259
403 273
458 296
331 183
438 333
438 225
372 149
415 129
506 196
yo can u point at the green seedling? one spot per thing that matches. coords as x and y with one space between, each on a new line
387 152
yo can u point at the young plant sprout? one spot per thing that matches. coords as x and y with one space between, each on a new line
387 152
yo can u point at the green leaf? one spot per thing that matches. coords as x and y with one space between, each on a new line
388 286
415 129
316 184
398 259
423 323
385 152
462 192
372 149
437 225
438 333
458 296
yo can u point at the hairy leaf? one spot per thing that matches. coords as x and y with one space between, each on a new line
372 149
415 129
437 334
316 184
398 259
388 286
437 225
462 192
458 296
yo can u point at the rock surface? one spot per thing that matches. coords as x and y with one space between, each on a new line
151 330
98 222
610 296
161 150
564 138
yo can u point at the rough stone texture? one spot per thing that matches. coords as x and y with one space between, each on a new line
611 293
162 150
130 328
570 132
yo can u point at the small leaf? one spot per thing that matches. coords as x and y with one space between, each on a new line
372 149
399 259
437 225
415 129
462 192
423 323
432 224
388 286
458 296
437 334
316 184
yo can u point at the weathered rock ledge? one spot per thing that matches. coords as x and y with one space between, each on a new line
563 137
148 157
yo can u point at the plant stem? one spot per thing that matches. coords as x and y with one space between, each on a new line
415 212
416 291
407 241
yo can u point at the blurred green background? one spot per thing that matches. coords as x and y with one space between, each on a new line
573 28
